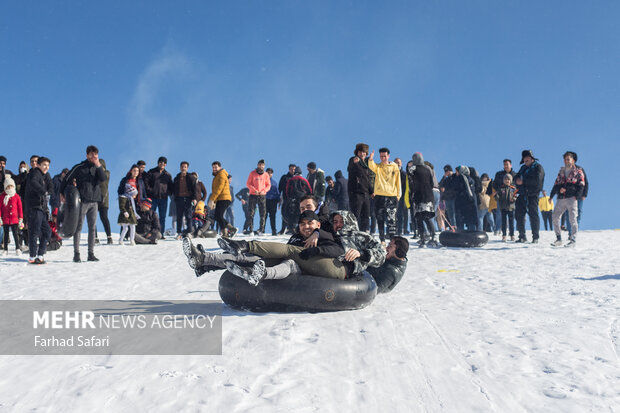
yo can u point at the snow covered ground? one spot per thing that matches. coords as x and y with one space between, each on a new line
504 328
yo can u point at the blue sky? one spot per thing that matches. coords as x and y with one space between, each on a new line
462 82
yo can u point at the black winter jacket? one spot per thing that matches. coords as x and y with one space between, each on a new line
420 184
158 184
533 179
38 186
388 275
88 178
148 222
359 177
447 183
343 197
326 245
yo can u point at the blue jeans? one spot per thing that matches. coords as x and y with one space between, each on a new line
450 212
497 215
161 206
485 213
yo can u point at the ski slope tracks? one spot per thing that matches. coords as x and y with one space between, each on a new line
503 328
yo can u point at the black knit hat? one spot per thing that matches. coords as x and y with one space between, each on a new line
447 168
308 216
311 165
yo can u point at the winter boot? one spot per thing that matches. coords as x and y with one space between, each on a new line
194 256
239 271
76 257
233 247
557 242
91 257
258 273
110 242
229 231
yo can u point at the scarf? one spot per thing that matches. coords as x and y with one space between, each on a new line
10 192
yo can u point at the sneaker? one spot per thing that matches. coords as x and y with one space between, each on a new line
504 238
512 238
571 244
246 232
39 261
91 257
258 273
433 244
259 233
32 260
76 257
233 247
557 243
521 241
535 241
241 272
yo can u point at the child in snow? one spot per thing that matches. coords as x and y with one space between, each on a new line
11 214
199 217
506 198
128 216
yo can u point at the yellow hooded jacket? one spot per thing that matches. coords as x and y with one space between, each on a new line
387 180
220 189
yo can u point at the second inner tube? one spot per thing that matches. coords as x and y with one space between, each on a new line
70 212
466 239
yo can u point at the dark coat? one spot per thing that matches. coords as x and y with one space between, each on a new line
447 183
148 222
465 203
88 179
420 184
158 184
360 181
201 191
282 184
38 186
191 185
55 195
326 245
343 197
533 179
388 275
297 187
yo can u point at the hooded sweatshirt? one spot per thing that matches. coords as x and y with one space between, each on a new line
387 179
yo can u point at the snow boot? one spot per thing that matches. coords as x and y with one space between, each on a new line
233 247
258 273
239 271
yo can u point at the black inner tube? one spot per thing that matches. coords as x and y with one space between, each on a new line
299 293
70 212
466 239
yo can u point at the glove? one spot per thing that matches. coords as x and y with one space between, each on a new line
126 214
308 253
211 205
20 223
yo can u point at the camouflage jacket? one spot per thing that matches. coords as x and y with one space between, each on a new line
350 237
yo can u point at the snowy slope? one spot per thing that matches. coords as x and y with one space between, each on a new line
504 328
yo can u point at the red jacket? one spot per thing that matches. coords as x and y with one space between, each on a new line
258 184
11 212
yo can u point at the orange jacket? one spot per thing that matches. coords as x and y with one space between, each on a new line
220 189
258 184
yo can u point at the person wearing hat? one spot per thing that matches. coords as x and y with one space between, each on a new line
221 198
148 230
579 201
569 186
530 180
316 179
448 194
290 258
360 186
498 181
38 187
159 186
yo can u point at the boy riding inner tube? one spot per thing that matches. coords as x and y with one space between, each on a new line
464 239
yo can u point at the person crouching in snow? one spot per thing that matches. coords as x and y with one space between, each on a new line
148 230
127 194
198 217
11 214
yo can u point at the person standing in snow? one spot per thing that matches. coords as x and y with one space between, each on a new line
387 191
569 185
87 176
272 198
316 179
530 180
259 184
360 186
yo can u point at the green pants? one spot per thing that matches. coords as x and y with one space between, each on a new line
317 265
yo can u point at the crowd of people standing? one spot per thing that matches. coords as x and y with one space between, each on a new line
384 196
